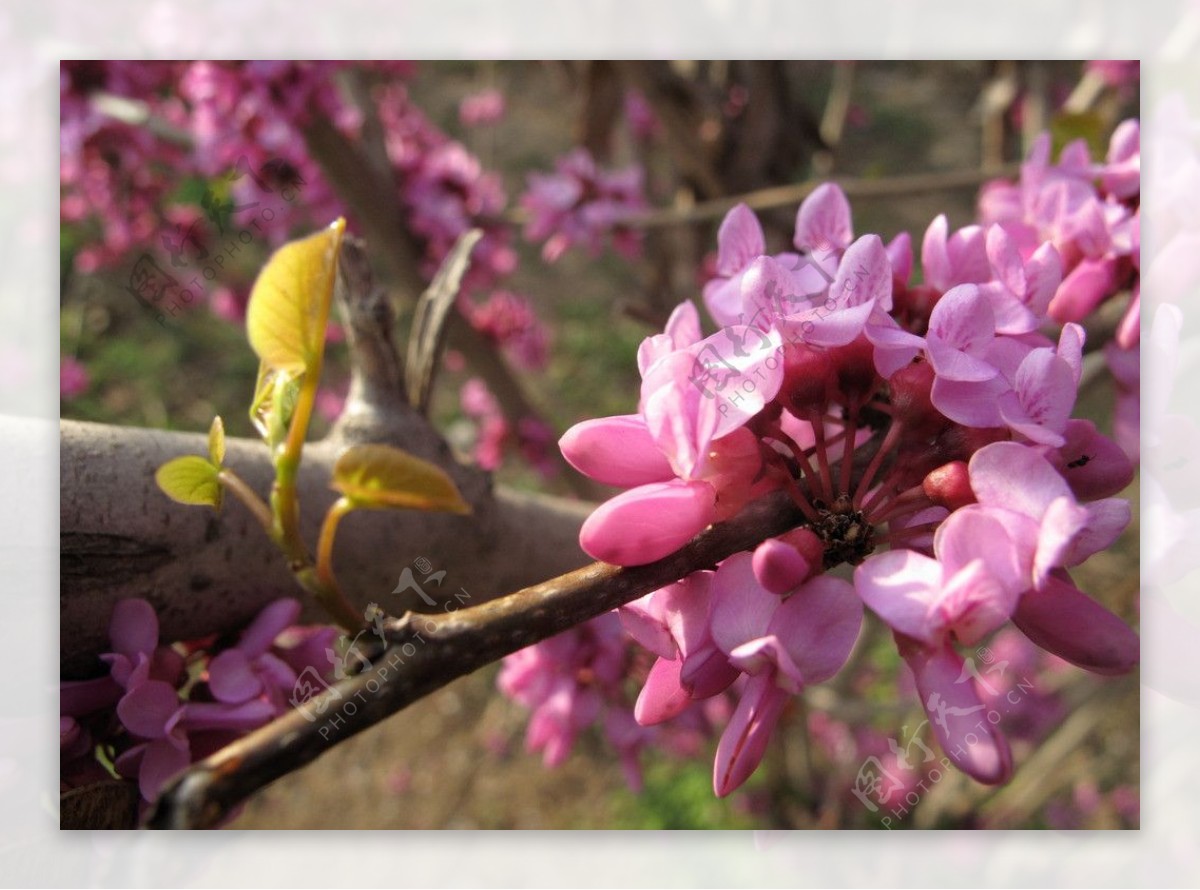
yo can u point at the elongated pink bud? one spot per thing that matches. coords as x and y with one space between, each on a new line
745 739
662 697
615 451
648 522
783 563
955 712
1070 624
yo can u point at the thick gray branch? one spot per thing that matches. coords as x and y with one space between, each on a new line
206 572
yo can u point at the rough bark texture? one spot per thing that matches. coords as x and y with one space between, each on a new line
206 572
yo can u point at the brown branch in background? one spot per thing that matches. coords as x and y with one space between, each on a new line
603 98
837 104
691 132
790 195
995 99
376 206
427 651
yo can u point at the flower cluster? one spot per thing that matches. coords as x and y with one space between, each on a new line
930 421
177 704
1090 213
579 204
577 679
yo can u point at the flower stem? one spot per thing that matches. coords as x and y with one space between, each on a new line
327 591
247 495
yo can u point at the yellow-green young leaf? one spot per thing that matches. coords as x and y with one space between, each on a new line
216 442
379 476
275 396
289 304
190 480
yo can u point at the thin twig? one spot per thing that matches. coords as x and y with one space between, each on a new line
788 195
430 650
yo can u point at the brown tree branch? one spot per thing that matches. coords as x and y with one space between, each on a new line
430 650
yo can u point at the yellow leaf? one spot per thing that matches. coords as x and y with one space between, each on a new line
380 476
289 304
190 480
216 441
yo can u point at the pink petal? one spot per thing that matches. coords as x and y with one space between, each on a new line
133 628
935 262
681 331
768 292
1043 274
270 623
1011 314
722 297
971 404
1083 289
745 739
958 717
1106 520
899 251
901 587
79 697
741 608
961 327
1043 396
895 348
647 523
864 275
643 621
616 451
974 603
1006 260
663 696
146 708
160 762
819 625
769 655
739 241
232 678
685 607
821 327
1070 349
823 221
681 398
216 715
707 672
975 533
1070 624
1063 520
1016 477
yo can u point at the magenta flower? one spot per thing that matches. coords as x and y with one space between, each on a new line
570 682
481 108
579 204
73 378
783 645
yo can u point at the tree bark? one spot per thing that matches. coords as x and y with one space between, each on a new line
208 572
